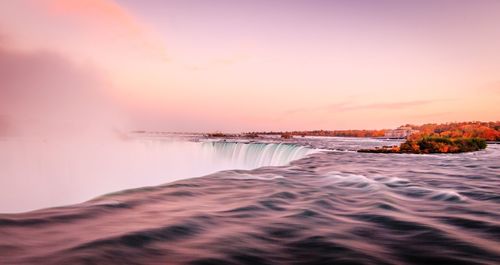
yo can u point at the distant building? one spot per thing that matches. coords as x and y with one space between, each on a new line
400 133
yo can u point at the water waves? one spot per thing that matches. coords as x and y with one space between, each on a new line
326 208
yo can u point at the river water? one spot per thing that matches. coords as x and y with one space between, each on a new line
328 207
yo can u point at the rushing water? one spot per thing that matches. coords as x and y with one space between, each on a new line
60 172
336 207
251 155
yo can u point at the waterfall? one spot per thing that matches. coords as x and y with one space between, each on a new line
62 172
252 155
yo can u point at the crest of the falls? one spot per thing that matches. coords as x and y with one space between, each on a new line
252 155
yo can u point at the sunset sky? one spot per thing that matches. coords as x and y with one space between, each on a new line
255 65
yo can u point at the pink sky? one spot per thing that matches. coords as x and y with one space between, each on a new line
252 65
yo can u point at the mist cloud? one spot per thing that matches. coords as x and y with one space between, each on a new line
44 93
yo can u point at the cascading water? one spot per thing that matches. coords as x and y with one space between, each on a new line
252 155
62 172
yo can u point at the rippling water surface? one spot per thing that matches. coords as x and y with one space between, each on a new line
335 207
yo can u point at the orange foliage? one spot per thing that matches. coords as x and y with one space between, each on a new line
340 133
489 131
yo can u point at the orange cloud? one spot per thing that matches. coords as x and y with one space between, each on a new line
109 16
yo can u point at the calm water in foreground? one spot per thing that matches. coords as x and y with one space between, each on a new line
336 207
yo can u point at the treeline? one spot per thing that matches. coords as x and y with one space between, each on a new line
489 131
338 133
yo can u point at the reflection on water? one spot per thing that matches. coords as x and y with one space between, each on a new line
327 208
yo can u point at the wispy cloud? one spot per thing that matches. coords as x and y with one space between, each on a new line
380 106
429 115
348 106
219 62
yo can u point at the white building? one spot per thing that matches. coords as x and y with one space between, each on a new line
401 132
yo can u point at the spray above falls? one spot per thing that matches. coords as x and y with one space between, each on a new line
63 172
